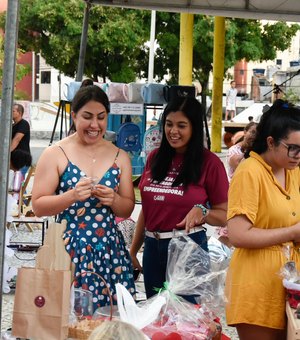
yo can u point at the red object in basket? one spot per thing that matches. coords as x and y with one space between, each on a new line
173 336
158 336
162 336
224 337
293 297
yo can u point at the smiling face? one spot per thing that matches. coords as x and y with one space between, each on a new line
178 130
91 122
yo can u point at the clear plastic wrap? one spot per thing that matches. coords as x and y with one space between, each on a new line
188 273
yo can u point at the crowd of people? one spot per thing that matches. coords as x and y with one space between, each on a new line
87 181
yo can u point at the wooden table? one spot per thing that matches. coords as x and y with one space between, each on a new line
293 326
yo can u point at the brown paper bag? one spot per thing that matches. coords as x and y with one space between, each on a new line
41 305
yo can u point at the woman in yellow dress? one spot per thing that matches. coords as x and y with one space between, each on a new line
263 216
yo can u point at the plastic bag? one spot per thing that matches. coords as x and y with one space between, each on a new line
192 271
188 273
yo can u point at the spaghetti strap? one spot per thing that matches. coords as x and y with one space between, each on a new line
117 155
64 152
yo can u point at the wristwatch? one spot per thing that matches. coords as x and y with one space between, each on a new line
205 211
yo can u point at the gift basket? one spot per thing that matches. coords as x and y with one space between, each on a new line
291 278
189 272
82 319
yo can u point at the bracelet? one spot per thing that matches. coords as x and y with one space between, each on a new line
205 211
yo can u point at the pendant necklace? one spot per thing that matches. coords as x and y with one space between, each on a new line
94 159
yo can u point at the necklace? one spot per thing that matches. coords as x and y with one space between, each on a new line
94 159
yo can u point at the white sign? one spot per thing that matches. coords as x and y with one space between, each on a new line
126 109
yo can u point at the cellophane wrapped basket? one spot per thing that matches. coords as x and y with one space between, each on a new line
189 272
81 327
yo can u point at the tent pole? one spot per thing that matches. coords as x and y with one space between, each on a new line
9 70
83 42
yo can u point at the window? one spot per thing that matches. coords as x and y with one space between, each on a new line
45 77
279 62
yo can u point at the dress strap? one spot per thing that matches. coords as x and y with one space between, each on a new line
117 155
64 152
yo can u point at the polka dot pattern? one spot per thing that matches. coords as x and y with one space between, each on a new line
95 244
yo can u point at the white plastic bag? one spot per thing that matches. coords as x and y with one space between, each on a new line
129 312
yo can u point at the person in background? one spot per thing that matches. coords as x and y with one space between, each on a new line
87 180
231 101
183 186
237 151
263 216
116 330
20 133
18 159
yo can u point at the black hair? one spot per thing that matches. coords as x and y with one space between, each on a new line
19 159
277 122
86 94
20 108
87 82
193 158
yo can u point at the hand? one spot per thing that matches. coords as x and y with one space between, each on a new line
135 262
192 219
83 189
105 195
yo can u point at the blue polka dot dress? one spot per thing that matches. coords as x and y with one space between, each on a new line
93 240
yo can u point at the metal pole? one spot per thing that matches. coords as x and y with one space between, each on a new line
186 49
83 42
218 75
10 53
151 50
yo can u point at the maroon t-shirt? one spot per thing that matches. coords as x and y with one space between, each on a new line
164 206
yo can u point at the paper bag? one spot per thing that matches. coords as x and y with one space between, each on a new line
41 305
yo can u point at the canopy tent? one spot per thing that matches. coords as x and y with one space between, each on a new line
285 10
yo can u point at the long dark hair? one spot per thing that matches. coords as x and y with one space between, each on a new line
277 122
190 171
84 95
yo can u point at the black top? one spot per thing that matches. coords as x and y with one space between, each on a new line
22 127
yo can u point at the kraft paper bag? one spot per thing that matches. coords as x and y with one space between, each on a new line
41 305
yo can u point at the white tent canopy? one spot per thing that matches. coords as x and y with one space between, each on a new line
285 10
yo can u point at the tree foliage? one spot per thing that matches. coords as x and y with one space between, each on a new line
244 39
116 40
115 37
21 69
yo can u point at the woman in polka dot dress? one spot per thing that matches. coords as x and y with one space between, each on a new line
86 180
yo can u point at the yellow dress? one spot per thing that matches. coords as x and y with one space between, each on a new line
254 290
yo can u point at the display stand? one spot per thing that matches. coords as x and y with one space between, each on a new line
62 113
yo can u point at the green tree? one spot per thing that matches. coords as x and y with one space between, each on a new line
21 69
249 39
115 37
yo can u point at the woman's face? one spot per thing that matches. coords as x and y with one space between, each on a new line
91 122
287 153
178 130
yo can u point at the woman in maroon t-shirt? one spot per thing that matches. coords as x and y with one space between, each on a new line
182 187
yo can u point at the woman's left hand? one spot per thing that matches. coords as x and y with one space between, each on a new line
192 219
105 195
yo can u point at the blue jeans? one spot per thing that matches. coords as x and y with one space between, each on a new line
155 258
